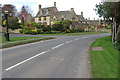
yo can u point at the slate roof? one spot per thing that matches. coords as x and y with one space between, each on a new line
81 18
53 11
70 14
50 11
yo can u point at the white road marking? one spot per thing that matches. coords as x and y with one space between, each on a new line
57 46
19 46
26 60
77 39
9 68
69 41
84 37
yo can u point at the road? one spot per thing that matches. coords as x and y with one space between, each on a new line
64 57
28 35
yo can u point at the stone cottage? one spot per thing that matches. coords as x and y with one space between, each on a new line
45 15
49 15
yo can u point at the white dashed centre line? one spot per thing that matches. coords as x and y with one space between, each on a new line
69 41
9 68
84 37
77 39
26 60
57 46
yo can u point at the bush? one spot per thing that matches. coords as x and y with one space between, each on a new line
108 27
58 27
33 32
28 32
92 28
68 31
21 31
75 30
39 31
46 29
55 32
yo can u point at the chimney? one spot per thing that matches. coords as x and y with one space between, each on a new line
88 18
40 6
72 9
54 4
81 13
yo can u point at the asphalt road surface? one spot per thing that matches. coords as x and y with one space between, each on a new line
64 57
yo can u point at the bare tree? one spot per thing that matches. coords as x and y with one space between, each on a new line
24 14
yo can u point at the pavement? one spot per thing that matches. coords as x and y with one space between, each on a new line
64 57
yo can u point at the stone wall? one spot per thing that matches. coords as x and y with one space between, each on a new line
3 29
104 30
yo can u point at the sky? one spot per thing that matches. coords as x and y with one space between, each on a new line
86 6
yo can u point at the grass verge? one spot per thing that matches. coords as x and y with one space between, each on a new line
104 63
25 40
73 34
13 39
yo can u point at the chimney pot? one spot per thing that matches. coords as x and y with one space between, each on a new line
72 8
88 18
54 4
40 6
81 13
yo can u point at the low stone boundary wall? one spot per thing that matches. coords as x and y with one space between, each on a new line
105 30
3 29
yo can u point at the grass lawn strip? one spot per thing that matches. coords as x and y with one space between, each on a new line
10 44
20 41
13 39
104 63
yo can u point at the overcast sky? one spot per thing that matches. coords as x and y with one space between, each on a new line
86 6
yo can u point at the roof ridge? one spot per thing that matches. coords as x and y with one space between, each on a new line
48 7
65 11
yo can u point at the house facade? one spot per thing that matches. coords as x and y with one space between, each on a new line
45 15
94 22
49 15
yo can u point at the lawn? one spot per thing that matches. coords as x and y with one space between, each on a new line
73 34
84 33
16 39
104 63
21 40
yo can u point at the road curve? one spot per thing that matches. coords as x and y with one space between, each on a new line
64 57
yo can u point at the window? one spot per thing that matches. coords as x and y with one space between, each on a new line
63 19
73 19
54 18
39 19
44 18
